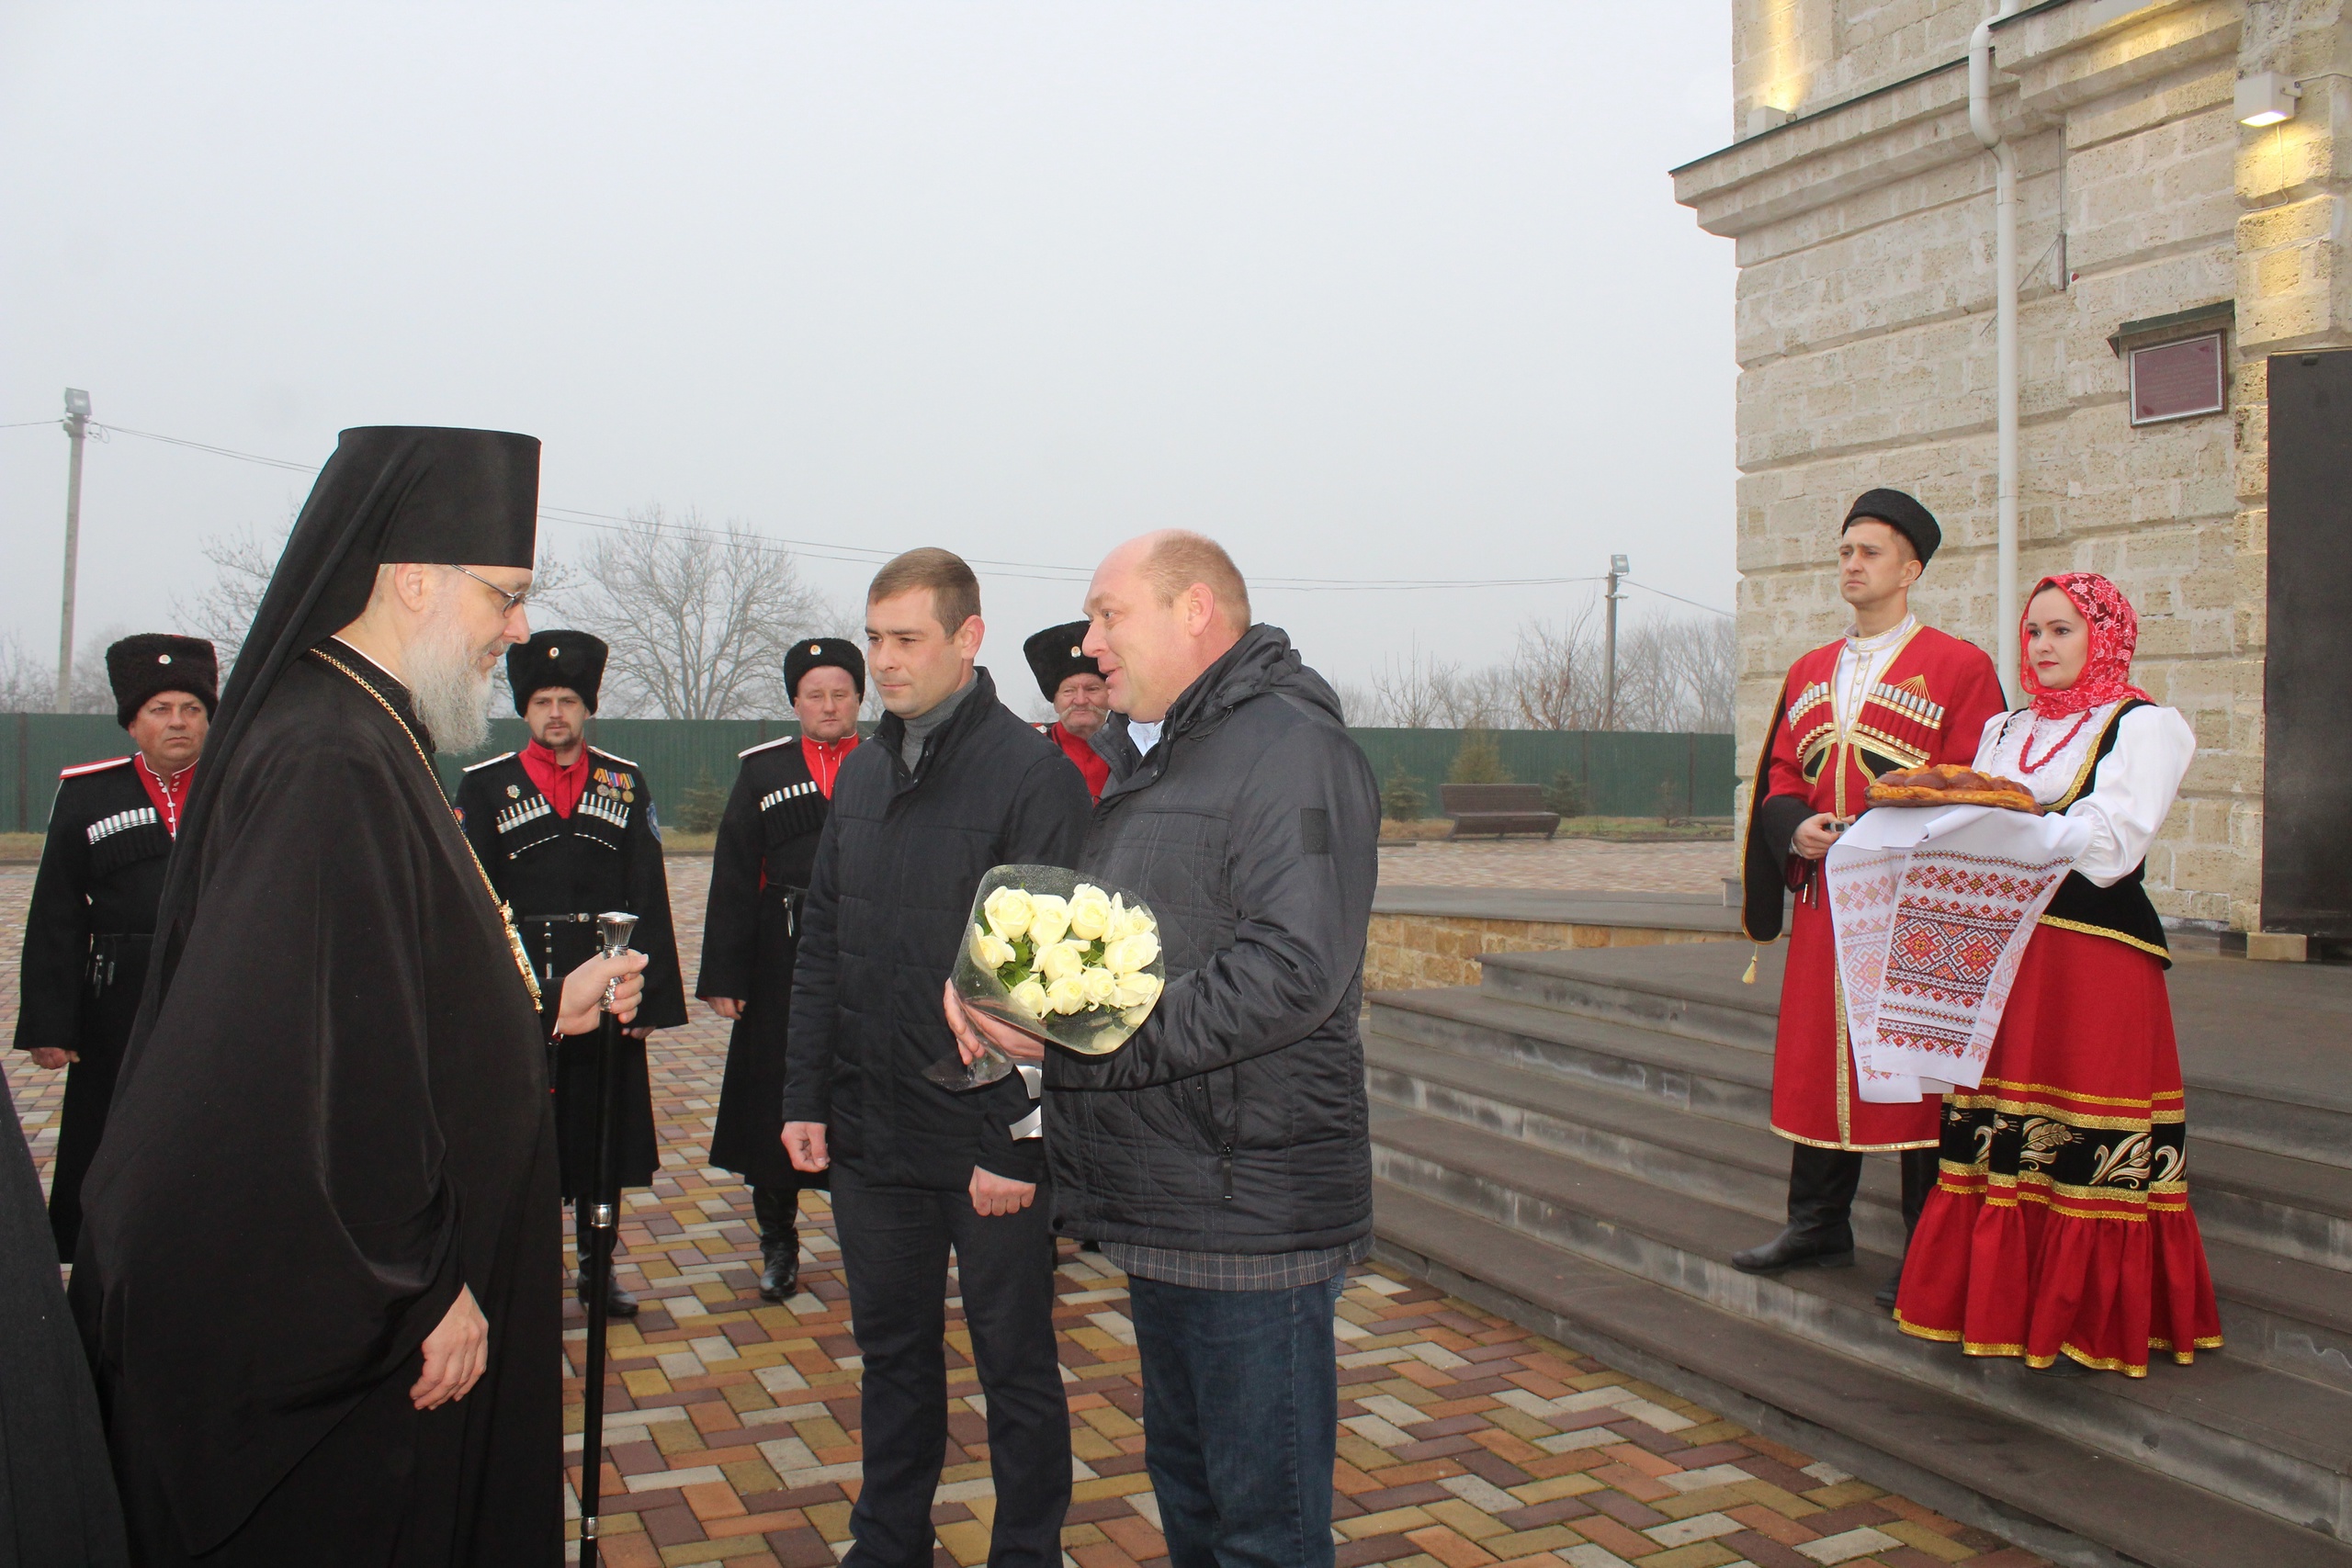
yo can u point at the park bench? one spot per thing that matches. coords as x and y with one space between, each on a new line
1498 809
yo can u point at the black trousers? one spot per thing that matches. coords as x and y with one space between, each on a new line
895 1241
1822 1183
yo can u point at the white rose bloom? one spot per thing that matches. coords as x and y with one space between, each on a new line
1090 913
1101 986
1086 890
1133 954
1048 919
989 950
1009 911
1066 996
1135 991
1060 962
1030 998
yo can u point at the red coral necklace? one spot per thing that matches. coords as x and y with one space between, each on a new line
2025 751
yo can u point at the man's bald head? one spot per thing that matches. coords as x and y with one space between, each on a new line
1174 559
1162 609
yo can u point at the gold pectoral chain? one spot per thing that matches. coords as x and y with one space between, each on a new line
505 910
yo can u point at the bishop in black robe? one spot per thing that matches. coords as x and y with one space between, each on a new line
333 1116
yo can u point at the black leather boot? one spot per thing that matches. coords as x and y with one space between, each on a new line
617 1301
776 1213
1819 1233
1888 1292
1796 1248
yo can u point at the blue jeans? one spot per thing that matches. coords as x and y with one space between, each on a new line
1240 1421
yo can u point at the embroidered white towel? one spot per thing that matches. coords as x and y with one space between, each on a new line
1932 910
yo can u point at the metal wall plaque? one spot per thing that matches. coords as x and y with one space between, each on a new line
2178 380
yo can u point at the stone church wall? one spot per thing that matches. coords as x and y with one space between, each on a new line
1865 333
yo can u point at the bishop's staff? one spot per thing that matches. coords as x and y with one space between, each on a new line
614 930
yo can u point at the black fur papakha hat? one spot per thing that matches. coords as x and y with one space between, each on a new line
811 653
139 667
572 660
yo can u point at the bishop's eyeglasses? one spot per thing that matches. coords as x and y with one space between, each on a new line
516 597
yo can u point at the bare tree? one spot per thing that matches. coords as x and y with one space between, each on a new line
698 617
1357 705
1556 674
1673 674
27 684
243 563
1478 699
1704 664
1413 693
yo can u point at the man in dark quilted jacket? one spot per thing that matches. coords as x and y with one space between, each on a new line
1221 1157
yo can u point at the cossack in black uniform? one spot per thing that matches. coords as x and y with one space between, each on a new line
563 844
759 874
92 911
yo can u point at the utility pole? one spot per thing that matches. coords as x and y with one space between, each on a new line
77 425
1617 567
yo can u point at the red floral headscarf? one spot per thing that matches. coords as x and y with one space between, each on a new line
2114 633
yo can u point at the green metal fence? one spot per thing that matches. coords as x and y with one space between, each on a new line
1620 773
689 762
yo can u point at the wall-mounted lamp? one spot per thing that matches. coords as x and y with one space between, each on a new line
2267 97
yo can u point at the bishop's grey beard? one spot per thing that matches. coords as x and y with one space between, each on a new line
450 691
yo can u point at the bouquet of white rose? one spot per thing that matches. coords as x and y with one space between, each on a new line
1066 959
1070 961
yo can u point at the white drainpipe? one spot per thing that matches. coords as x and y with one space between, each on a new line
2005 318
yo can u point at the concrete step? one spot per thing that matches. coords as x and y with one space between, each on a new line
2260 1044
1698 995
2296 1208
1711 1080
2277 1310
2056 1496
2279 1443
1735 1164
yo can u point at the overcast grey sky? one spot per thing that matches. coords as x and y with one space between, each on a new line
1365 290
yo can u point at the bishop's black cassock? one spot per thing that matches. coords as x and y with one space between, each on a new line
332 1113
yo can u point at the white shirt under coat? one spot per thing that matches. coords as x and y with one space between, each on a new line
1862 663
2130 796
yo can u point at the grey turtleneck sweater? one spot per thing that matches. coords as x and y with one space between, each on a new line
920 727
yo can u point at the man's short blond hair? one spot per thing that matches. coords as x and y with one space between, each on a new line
955 591
1179 559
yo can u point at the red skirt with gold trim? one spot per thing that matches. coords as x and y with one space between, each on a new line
2060 1224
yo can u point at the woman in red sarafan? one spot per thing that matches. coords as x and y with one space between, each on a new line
2060 1229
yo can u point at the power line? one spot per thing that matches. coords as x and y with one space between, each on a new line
1678 598
206 447
863 555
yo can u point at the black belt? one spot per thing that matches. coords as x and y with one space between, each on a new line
107 951
549 967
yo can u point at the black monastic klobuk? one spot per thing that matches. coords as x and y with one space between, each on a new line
333 1111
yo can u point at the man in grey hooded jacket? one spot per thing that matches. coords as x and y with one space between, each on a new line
1221 1158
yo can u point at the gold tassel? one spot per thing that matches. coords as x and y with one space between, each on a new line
1750 978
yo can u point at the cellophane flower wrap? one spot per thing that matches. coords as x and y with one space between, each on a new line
1062 956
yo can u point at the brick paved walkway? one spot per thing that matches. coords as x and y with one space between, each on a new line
1465 1441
